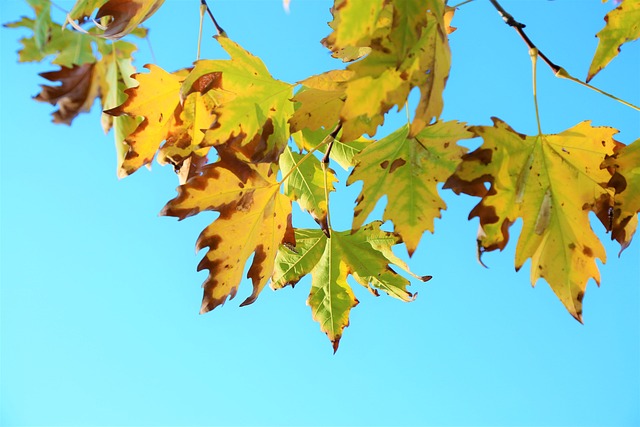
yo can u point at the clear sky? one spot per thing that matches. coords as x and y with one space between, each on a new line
100 295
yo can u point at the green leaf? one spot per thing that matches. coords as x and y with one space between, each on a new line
305 183
366 255
342 153
407 170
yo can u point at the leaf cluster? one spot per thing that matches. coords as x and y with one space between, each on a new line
247 146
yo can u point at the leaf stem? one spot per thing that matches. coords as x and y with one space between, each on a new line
203 8
325 166
563 74
406 109
219 29
534 62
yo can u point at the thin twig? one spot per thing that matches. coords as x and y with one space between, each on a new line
219 29
519 27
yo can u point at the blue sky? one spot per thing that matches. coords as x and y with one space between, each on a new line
100 295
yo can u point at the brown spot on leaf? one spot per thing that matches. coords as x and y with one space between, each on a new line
572 246
587 251
384 164
618 181
396 164
207 82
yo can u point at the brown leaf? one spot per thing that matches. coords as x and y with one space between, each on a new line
126 15
75 94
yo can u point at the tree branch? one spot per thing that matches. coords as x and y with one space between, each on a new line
219 29
519 27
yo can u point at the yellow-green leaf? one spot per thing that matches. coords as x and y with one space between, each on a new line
552 182
305 183
407 170
365 254
254 107
622 26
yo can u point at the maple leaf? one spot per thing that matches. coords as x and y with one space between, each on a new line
552 182
76 93
365 255
625 164
68 48
254 218
157 99
622 26
408 48
408 169
119 17
253 106
305 183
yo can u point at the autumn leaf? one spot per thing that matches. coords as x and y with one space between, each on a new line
625 164
255 218
157 99
622 26
409 48
365 255
407 170
552 182
75 94
354 23
119 17
304 182
253 106
68 48
319 101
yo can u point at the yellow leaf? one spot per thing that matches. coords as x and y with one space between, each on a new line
552 182
622 26
255 218
156 98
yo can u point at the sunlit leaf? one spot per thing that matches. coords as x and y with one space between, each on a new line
366 255
255 218
254 107
552 182
622 26
407 170
305 183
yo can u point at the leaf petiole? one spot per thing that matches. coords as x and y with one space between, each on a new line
533 52
563 74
